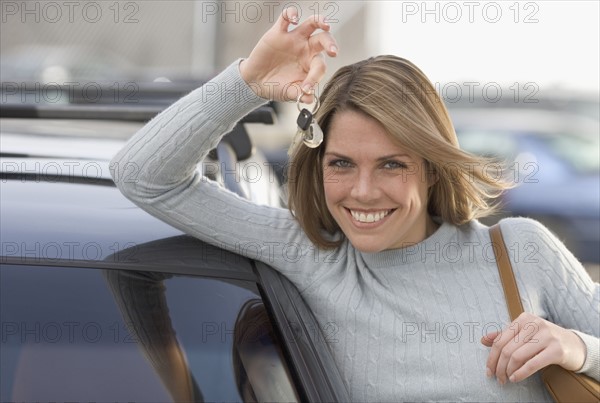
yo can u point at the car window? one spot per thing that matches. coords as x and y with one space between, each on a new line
114 335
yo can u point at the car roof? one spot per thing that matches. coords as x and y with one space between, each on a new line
97 132
61 207
42 147
87 222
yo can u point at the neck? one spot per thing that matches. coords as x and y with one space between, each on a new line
430 226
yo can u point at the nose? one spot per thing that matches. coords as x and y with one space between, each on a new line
365 187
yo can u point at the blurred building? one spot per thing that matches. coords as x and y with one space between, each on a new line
188 38
123 41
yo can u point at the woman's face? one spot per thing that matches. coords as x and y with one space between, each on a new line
375 190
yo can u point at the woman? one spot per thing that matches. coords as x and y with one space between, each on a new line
381 237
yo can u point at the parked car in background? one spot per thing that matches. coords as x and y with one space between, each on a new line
99 301
553 157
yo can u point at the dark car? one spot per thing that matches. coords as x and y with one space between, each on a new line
554 158
100 301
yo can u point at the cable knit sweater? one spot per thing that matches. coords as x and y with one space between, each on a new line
403 324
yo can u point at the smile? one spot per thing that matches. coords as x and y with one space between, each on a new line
372 216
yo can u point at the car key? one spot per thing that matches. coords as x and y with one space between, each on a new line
314 137
303 121
309 129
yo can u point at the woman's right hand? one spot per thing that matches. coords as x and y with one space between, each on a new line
283 63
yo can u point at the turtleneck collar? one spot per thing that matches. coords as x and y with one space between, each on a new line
411 253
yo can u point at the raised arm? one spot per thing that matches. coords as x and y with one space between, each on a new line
157 169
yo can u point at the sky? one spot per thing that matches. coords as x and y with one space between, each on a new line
548 44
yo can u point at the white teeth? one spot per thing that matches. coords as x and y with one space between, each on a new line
370 217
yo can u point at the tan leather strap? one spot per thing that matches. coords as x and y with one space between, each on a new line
511 292
563 385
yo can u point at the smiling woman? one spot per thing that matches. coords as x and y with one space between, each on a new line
376 204
382 218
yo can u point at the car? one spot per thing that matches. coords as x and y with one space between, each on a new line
100 301
554 159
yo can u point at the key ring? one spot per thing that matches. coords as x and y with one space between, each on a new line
315 108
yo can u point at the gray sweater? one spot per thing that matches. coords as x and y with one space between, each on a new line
402 324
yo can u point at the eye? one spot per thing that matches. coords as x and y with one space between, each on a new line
394 165
339 163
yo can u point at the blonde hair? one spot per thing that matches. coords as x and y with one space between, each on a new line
395 93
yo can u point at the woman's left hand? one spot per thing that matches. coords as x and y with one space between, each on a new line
529 344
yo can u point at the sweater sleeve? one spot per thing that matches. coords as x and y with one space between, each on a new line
570 297
157 170
591 365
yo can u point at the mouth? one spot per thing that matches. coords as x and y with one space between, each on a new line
369 217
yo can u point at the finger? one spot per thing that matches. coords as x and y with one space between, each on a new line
508 334
288 16
488 339
509 350
311 24
502 362
316 72
529 368
323 41
524 361
501 339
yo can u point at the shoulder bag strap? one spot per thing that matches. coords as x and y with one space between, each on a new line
563 385
511 292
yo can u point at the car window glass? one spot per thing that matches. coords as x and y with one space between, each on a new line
110 335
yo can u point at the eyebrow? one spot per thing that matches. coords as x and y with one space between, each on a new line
382 158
